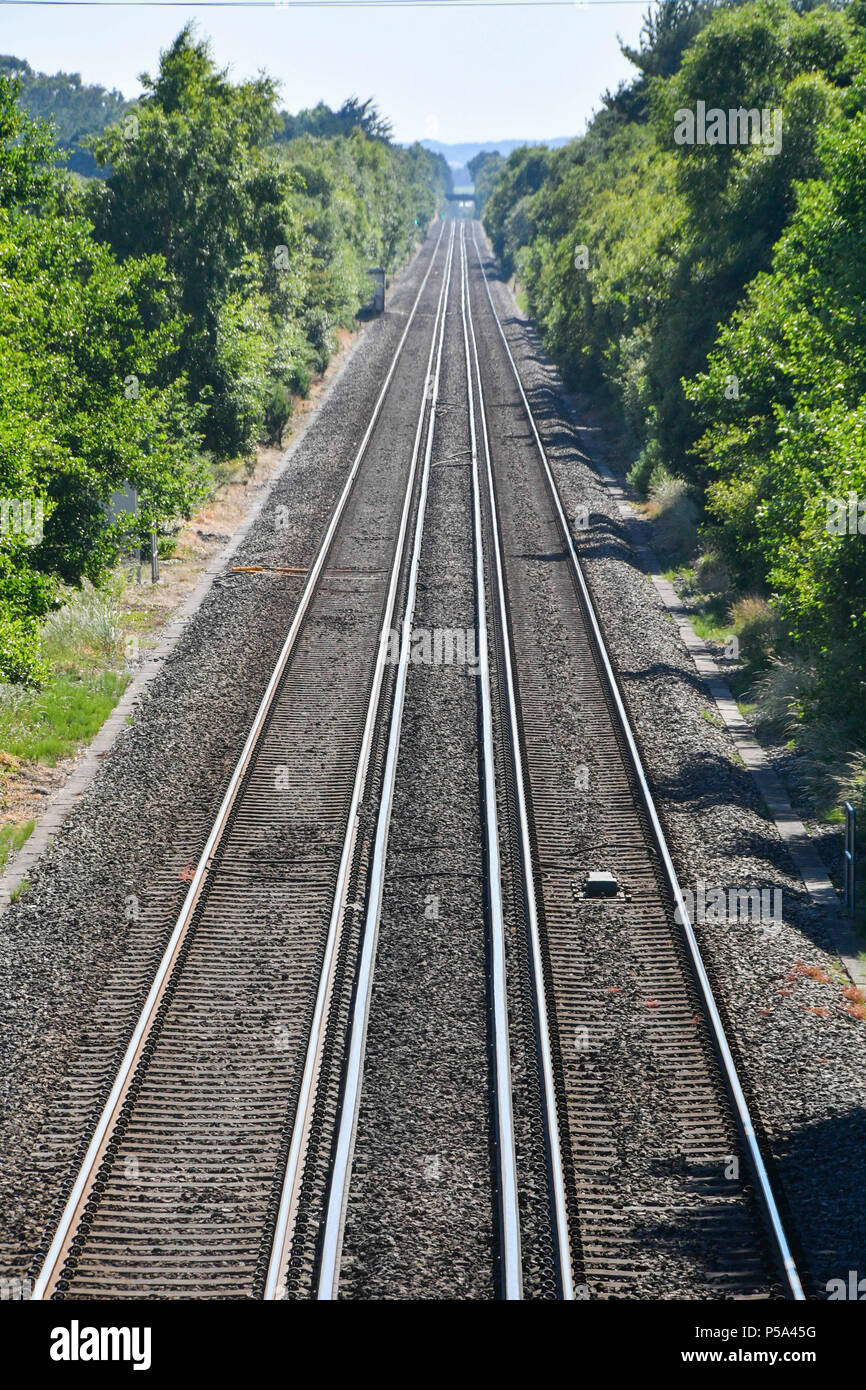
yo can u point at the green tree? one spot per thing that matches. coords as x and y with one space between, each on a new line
715 292
485 168
321 120
792 443
507 214
193 179
75 109
90 397
221 266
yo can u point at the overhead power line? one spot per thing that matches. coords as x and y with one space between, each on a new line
329 4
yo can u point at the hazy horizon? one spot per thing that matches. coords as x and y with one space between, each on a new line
436 74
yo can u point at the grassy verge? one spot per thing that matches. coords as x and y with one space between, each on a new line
709 612
12 837
85 644
94 640
53 723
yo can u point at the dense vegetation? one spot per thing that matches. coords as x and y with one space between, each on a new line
485 168
160 319
715 294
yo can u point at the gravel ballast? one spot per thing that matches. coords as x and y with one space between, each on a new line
421 1217
92 926
800 1052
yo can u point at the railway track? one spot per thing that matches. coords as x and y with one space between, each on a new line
179 1190
635 1185
222 1161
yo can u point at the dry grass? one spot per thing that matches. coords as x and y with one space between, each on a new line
757 627
780 693
855 1003
675 515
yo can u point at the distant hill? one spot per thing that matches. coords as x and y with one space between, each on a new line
77 109
458 156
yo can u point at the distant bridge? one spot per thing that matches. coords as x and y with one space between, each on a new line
465 198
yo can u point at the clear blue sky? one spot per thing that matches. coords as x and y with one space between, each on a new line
451 74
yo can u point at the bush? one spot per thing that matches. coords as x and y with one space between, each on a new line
278 411
675 513
712 575
716 294
302 379
758 628
648 462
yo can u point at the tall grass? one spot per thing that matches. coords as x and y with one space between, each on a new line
88 629
47 725
781 693
675 514
84 643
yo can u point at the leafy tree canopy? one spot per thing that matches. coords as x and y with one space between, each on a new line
714 290
322 120
163 316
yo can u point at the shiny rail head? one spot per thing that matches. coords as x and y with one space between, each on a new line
331 1240
559 1207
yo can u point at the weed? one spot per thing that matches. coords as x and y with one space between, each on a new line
88 630
12 837
712 575
780 694
757 627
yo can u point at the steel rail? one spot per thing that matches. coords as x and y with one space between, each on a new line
293 1176
508 1185
106 1123
746 1125
551 1117
338 1186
